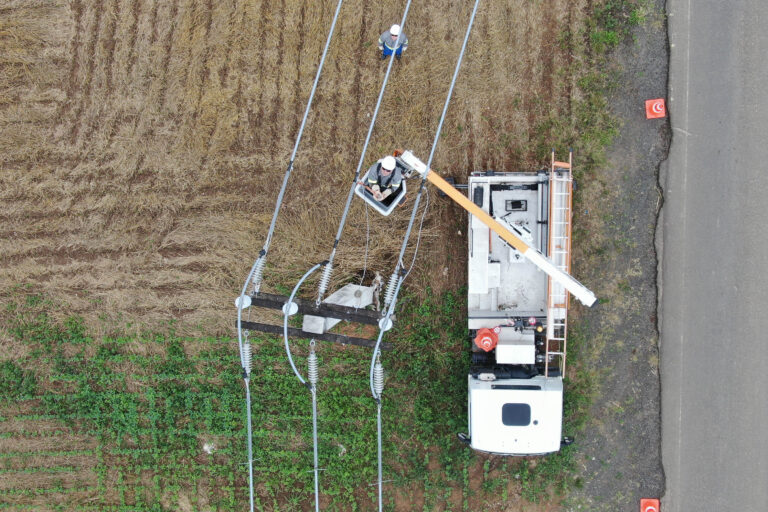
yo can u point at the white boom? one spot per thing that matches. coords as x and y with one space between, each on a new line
578 290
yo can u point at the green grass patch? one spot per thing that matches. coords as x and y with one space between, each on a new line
611 22
155 402
16 383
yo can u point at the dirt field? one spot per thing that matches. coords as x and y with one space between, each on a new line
142 145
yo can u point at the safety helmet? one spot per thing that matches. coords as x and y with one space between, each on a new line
388 163
394 30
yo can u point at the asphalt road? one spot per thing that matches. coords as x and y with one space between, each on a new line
714 243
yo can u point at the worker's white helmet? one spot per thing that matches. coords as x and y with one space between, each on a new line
394 30
388 163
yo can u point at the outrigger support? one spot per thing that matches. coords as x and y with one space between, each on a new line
578 290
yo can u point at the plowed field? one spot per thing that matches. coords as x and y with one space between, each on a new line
143 143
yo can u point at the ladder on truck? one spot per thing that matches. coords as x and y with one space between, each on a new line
560 211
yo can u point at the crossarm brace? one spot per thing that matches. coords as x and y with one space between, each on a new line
298 333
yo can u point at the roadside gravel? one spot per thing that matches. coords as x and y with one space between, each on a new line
620 449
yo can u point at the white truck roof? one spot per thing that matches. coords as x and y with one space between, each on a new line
516 416
501 282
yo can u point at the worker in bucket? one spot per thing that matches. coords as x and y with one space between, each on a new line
384 178
393 41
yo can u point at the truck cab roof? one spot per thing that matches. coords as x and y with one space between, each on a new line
516 416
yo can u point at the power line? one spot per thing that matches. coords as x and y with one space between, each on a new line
312 375
398 277
326 277
396 281
393 279
270 232
255 274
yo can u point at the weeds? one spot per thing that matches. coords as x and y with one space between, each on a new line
16 383
152 414
611 22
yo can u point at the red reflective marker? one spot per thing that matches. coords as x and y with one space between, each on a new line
649 505
655 108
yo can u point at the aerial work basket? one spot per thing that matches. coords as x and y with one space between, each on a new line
388 205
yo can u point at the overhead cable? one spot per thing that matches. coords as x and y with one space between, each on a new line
255 274
376 382
287 313
397 276
312 375
325 279
434 147
265 249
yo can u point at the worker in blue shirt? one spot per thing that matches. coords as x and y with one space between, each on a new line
393 41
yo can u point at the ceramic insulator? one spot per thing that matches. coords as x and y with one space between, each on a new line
378 378
324 280
257 274
247 357
390 295
312 364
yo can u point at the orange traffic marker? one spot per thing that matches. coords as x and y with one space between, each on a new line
649 505
655 108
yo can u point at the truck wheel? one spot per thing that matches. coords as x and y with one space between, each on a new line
464 438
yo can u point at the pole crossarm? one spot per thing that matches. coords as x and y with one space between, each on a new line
307 307
295 332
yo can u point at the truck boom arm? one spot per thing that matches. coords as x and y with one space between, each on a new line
578 290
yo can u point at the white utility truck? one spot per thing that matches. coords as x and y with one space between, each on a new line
517 302
517 315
